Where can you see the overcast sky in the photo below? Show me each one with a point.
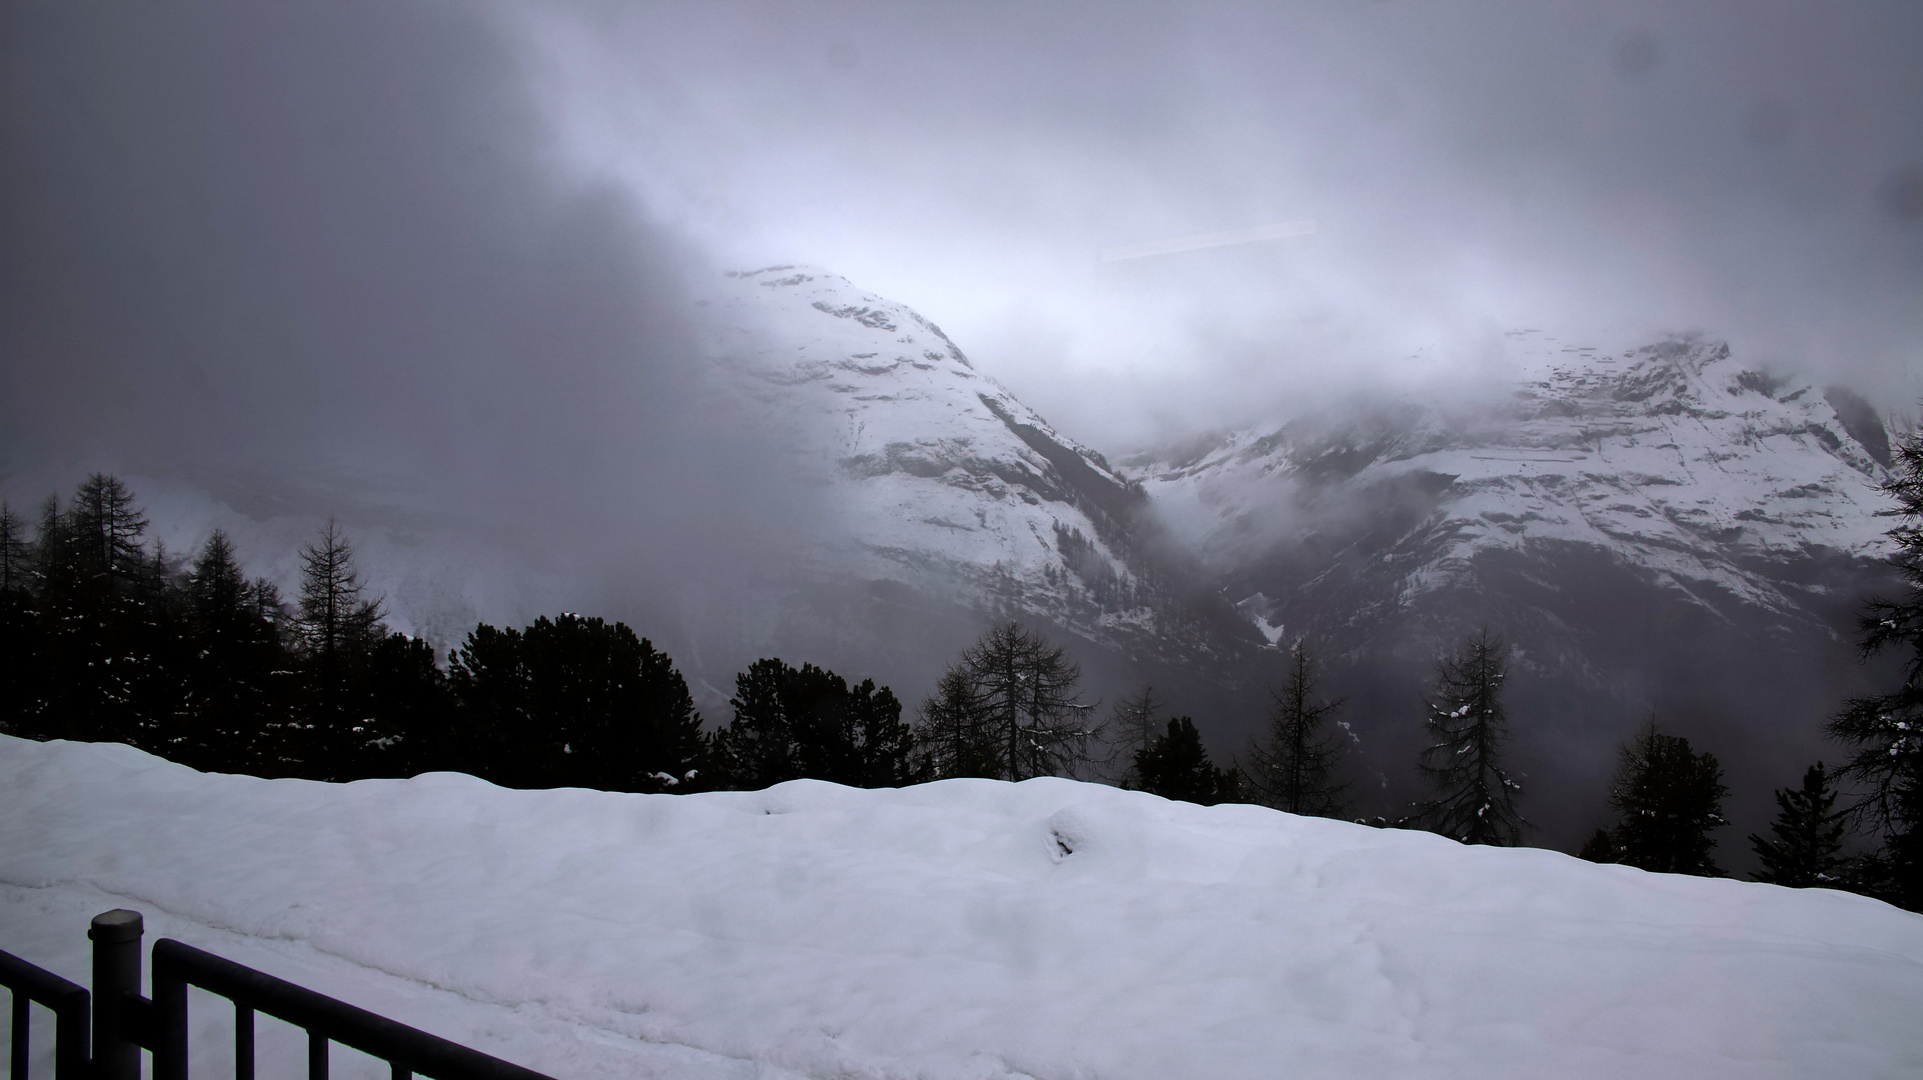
(1607, 172)
(392, 232)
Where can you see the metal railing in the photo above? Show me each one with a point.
(69, 1004)
(124, 1023)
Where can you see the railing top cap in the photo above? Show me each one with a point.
(116, 925)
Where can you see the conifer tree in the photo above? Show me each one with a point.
(97, 634)
(489, 677)
(1176, 766)
(1293, 767)
(791, 723)
(105, 529)
(1474, 798)
(1805, 846)
(50, 692)
(237, 649)
(13, 552)
(412, 708)
(1669, 799)
(1886, 730)
(885, 747)
(160, 657)
(570, 701)
(1600, 847)
(19, 628)
(338, 629)
(1136, 723)
(957, 733)
(1028, 686)
(335, 622)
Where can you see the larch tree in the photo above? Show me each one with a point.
(337, 627)
(1136, 722)
(956, 733)
(1029, 687)
(1474, 797)
(1293, 767)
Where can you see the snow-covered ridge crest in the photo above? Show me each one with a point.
(942, 475)
(1674, 457)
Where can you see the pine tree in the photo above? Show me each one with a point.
(791, 723)
(1669, 799)
(757, 748)
(54, 661)
(1886, 730)
(160, 656)
(1028, 686)
(19, 628)
(1600, 847)
(885, 747)
(13, 552)
(1474, 796)
(1176, 766)
(1293, 768)
(1805, 848)
(495, 734)
(412, 709)
(956, 735)
(570, 701)
(237, 649)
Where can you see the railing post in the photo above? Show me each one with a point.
(116, 980)
(168, 1035)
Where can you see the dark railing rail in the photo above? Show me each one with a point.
(124, 1022)
(407, 1050)
(70, 1012)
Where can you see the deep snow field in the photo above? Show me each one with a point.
(966, 929)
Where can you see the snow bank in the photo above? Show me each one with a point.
(967, 929)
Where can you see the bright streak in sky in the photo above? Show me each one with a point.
(1278, 231)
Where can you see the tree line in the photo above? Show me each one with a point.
(112, 639)
(109, 639)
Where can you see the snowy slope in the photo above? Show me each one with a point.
(968, 929)
(943, 480)
(1673, 458)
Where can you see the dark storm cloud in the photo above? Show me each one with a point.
(328, 248)
(438, 249)
(1631, 168)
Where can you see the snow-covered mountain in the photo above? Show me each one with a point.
(1659, 532)
(962, 930)
(1674, 459)
(941, 484)
(1663, 528)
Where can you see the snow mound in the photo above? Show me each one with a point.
(968, 929)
